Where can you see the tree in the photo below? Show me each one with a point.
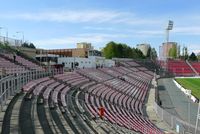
(134, 54)
(193, 57)
(178, 51)
(27, 45)
(109, 50)
(129, 52)
(120, 50)
(153, 53)
(149, 53)
(31, 45)
(186, 53)
(173, 52)
(139, 54)
(198, 56)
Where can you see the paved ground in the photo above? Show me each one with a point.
(151, 112)
(175, 101)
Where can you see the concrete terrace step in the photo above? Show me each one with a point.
(37, 125)
(102, 127)
(51, 122)
(2, 114)
(74, 115)
(113, 128)
(14, 121)
(65, 124)
(81, 111)
(73, 121)
(7, 111)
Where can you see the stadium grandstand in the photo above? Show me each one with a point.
(40, 99)
(178, 67)
(131, 97)
(99, 67)
(37, 98)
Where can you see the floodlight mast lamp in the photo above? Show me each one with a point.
(169, 27)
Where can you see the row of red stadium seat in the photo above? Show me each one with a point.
(121, 91)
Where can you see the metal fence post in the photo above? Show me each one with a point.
(9, 87)
(162, 114)
(30, 75)
(4, 93)
(1, 95)
(34, 74)
(15, 84)
(19, 81)
(28, 78)
(172, 122)
(39, 74)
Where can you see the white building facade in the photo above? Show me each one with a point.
(90, 62)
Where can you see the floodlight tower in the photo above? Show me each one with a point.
(169, 27)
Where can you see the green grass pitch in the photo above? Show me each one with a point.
(192, 84)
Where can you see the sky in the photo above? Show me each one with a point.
(55, 24)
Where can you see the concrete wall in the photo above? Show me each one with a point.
(109, 63)
(28, 51)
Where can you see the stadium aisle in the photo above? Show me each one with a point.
(151, 112)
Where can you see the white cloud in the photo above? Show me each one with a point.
(150, 32)
(68, 16)
(104, 35)
(70, 42)
(134, 20)
(99, 28)
(193, 48)
(77, 16)
(139, 27)
(67, 42)
(188, 30)
(196, 51)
